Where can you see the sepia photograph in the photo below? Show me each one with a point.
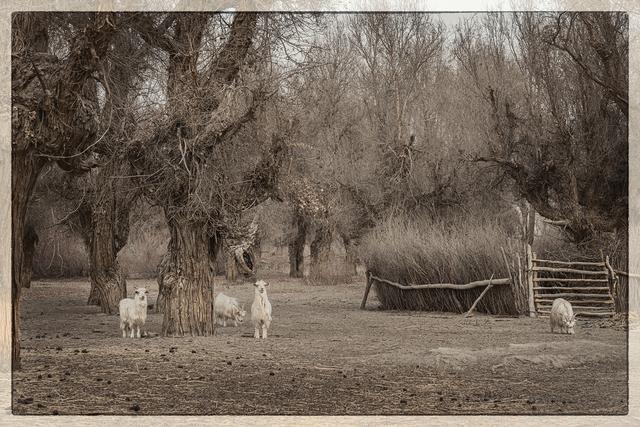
(320, 213)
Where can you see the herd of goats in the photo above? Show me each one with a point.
(133, 312)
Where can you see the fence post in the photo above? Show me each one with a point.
(612, 279)
(366, 291)
(530, 276)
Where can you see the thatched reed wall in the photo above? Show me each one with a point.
(498, 300)
(423, 252)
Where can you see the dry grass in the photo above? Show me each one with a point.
(425, 251)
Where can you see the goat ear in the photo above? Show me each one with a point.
(266, 283)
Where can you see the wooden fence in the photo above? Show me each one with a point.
(588, 286)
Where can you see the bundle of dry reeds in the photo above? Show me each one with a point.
(424, 251)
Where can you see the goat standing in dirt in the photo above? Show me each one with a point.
(261, 309)
(228, 308)
(133, 312)
(562, 316)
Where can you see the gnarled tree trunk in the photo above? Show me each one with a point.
(94, 298)
(230, 268)
(186, 279)
(296, 248)
(107, 281)
(104, 221)
(29, 248)
(350, 265)
(25, 171)
(320, 252)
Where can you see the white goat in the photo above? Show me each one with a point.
(228, 308)
(261, 309)
(562, 316)
(133, 312)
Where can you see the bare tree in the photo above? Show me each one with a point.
(105, 208)
(557, 132)
(53, 116)
(202, 159)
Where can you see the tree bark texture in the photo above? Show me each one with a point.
(296, 247)
(186, 280)
(94, 298)
(230, 268)
(320, 253)
(50, 118)
(29, 248)
(104, 221)
(25, 171)
(106, 277)
(350, 264)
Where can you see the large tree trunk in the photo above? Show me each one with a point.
(296, 248)
(29, 248)
(320, 252)
(94, 296)
(230, 267)
(25, 170)
(106, 277)
(350, 265)
(104, 221)
(186, 276)
(162, 267)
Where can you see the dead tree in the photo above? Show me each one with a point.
(560, 136)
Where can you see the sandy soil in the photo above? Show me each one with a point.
(324, 356)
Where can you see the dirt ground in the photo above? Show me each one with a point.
(323, 356)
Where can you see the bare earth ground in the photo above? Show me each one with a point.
(324, 356)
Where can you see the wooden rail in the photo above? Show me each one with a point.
(491, 282)
(592, 264)
(571, 288)
(571, 270)
(575, 302)
(574, 294)
(544, 313)
(471, 285)
(568, 280)
(626, 274)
